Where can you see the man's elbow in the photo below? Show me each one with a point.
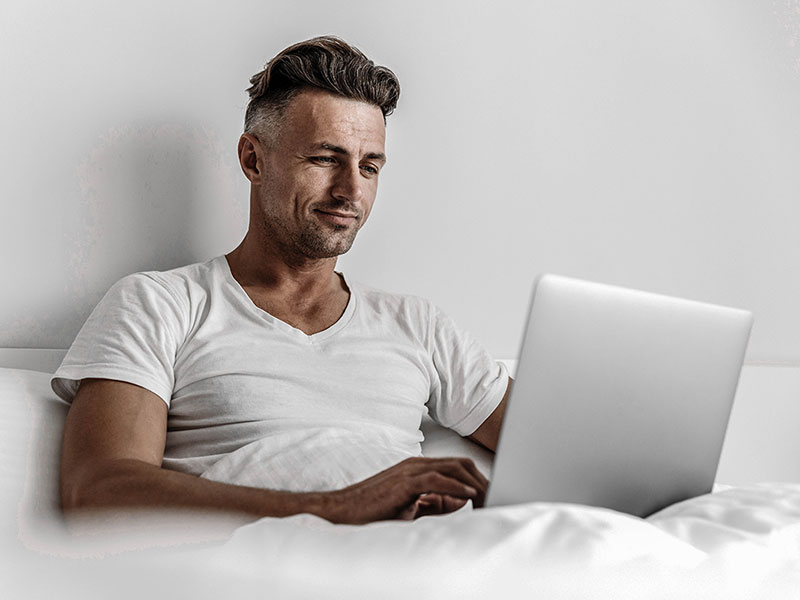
(96, 485)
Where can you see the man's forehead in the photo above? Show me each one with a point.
(315, 97)
(326, 113)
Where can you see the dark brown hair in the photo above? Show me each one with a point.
(327, 63)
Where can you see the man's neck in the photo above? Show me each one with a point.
(270, 273)
(309, 296)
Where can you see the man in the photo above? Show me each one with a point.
(270, 347)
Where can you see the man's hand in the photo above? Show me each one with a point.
(413, 488)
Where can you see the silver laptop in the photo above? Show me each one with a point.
(621, 399)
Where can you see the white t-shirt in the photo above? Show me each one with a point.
(318, 411)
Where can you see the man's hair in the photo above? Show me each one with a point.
(326, 63)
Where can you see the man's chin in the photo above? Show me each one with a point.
(316, 251)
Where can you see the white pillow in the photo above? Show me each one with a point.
(31, 427)
(441, 442)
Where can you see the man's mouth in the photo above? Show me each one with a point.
(337, 217)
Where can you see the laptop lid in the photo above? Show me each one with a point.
(621, 400)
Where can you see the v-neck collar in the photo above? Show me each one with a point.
(299, 334)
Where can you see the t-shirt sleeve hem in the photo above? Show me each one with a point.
(66, 379)
(483, 409)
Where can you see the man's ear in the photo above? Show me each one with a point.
(250, 157)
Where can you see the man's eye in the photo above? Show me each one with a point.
(324, 159)
(369, 169)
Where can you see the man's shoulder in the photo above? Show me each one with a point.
(197, 272)
(379, 297)
(401, 308)
(178, 281)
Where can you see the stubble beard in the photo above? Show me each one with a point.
(313, 241)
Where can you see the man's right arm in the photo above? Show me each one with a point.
(114, 443)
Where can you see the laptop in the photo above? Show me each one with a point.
(621, 399)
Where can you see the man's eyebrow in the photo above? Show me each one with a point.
(340, 150)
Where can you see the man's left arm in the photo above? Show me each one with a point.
(487, 434)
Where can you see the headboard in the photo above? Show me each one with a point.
(35, 359)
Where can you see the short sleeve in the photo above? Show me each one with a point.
(132, 335)
(469, 383)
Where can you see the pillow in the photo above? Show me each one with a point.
(442, 442)
(31, 427)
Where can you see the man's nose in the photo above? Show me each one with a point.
(348, 184)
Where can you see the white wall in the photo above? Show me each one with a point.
(648, 144)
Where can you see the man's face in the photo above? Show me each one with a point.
(320, 176)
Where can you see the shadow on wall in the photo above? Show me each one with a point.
(150, 197)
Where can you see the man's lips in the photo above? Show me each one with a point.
(337, 217)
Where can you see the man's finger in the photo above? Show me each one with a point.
(465, 471)
(435, 482)
(461, 468)
(438, 504)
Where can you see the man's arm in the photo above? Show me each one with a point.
(114, 443)
(489, 431)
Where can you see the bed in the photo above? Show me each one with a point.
(741, 541)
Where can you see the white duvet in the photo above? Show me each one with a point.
(739, 542)
(736, 543)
